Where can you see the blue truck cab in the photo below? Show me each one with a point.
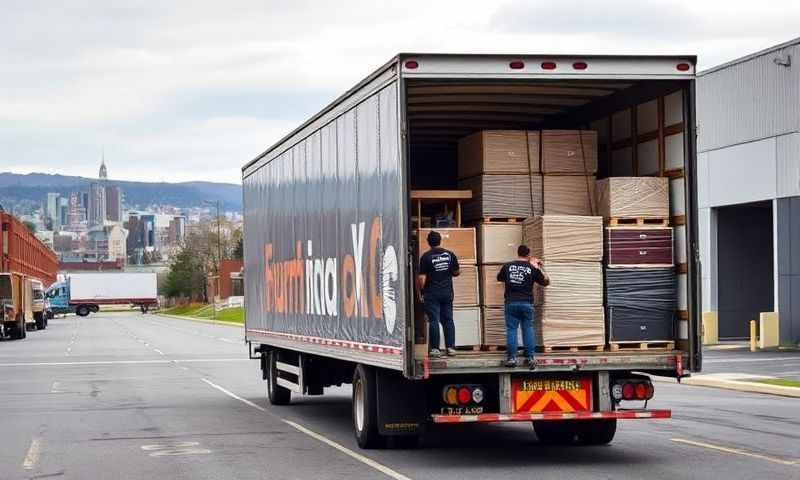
(58, 297)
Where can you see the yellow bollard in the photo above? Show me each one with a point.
(752, 335)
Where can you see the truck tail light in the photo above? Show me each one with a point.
(412, 64)
(548, 65)
(464, 395)
(641, 391)
(628, 391)
(580, 65)
(683, 67)
(632, 389)
(516, 65)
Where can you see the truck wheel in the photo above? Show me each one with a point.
(41, 321)
(555, 432)
(365, 408)
(597, 432)
(276, 394)
(82, 311)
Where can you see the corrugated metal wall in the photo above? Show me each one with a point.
(765, 102)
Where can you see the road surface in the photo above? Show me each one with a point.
(131, 396)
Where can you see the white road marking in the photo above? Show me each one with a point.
(33, 454)
(737, 451)
(361, 458)
(174, 448)
(227, 340)
(56, 387)
(122, 362)
(749, 360)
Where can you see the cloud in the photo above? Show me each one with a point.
(194, 89)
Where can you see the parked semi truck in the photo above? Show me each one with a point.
(330, 248)
(84, 293)
(26, 266)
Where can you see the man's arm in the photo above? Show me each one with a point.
(540, 276)
(455, 268)
(420, 285)
(501, 275)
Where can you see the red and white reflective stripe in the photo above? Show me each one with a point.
(329, 342)
(527, 417)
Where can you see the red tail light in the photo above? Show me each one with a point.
(641, 391)
(516, 65)
(464, 395)
(628, 391)
(580, 65)
(412, 64)
(683, 67)
(548, 65)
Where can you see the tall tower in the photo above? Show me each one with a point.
(103, 175)
(97, 197)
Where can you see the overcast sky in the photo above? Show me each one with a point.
(191, 90)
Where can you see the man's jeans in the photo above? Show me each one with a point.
(519, 314)
(439, 308)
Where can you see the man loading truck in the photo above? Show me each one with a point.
(437, 267)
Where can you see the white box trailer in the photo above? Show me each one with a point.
(88, 291)
(329, 246)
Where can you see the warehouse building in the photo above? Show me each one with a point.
(748, 140)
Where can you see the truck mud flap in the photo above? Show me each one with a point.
(401, 404)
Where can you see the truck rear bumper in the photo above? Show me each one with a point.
(528, 417)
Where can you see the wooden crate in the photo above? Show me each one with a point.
(494, 151)
(503, 196)
(562, 153)
(460, 241)
(465, 287)
(497, 243)
(633, 197)
(569, 326)
(571, 284)
(565, 237)
(468, 327)
(569, 195)
(492, 291)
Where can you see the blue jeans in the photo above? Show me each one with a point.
(439, 308)
(519, 314)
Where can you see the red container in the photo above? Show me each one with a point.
(638, 246)
(22, 252)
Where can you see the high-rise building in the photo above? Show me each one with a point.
(96, 208)
(52, 212)
(113, 203)
(63, 211)
(74, 216)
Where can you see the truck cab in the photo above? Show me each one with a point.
(58, 298)
(11, 303)
(38, 304)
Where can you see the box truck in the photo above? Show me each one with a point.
(84, 293)
(329, 245)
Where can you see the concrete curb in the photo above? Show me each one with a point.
(202, 320)
(738, 385)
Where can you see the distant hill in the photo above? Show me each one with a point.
(23, 191)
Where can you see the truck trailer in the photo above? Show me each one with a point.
(84, 293)
(330, 249)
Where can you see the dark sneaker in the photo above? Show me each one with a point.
(435, 353)
(531, 362)
(511, 363)
(451, 352)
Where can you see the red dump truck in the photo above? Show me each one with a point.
(330, 255)
(26, 265)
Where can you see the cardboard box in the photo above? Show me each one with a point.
(633, 197)
(492, 291)
(498, 242)
(564, 237)
(569, 195)
(494, 326)
(468, 327)
(562, 152)
(494, 151)
(465, 287)
(569, 326)
(503, 196)
(571, 284)
(460, 241)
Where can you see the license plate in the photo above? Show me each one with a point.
(543, 395)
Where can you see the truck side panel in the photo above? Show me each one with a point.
(325, 239)
(112, 288)
(21, 251)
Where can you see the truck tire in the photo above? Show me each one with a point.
(556, 432)
(365, 408)
(82, 311)
(597, 432)
(276, 394)
(41, 321)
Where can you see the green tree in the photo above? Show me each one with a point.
(238, 250)
(187, 274)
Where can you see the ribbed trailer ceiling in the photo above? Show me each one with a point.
(441, 112)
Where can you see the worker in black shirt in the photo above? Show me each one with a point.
(437, 267)
(519, 277)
